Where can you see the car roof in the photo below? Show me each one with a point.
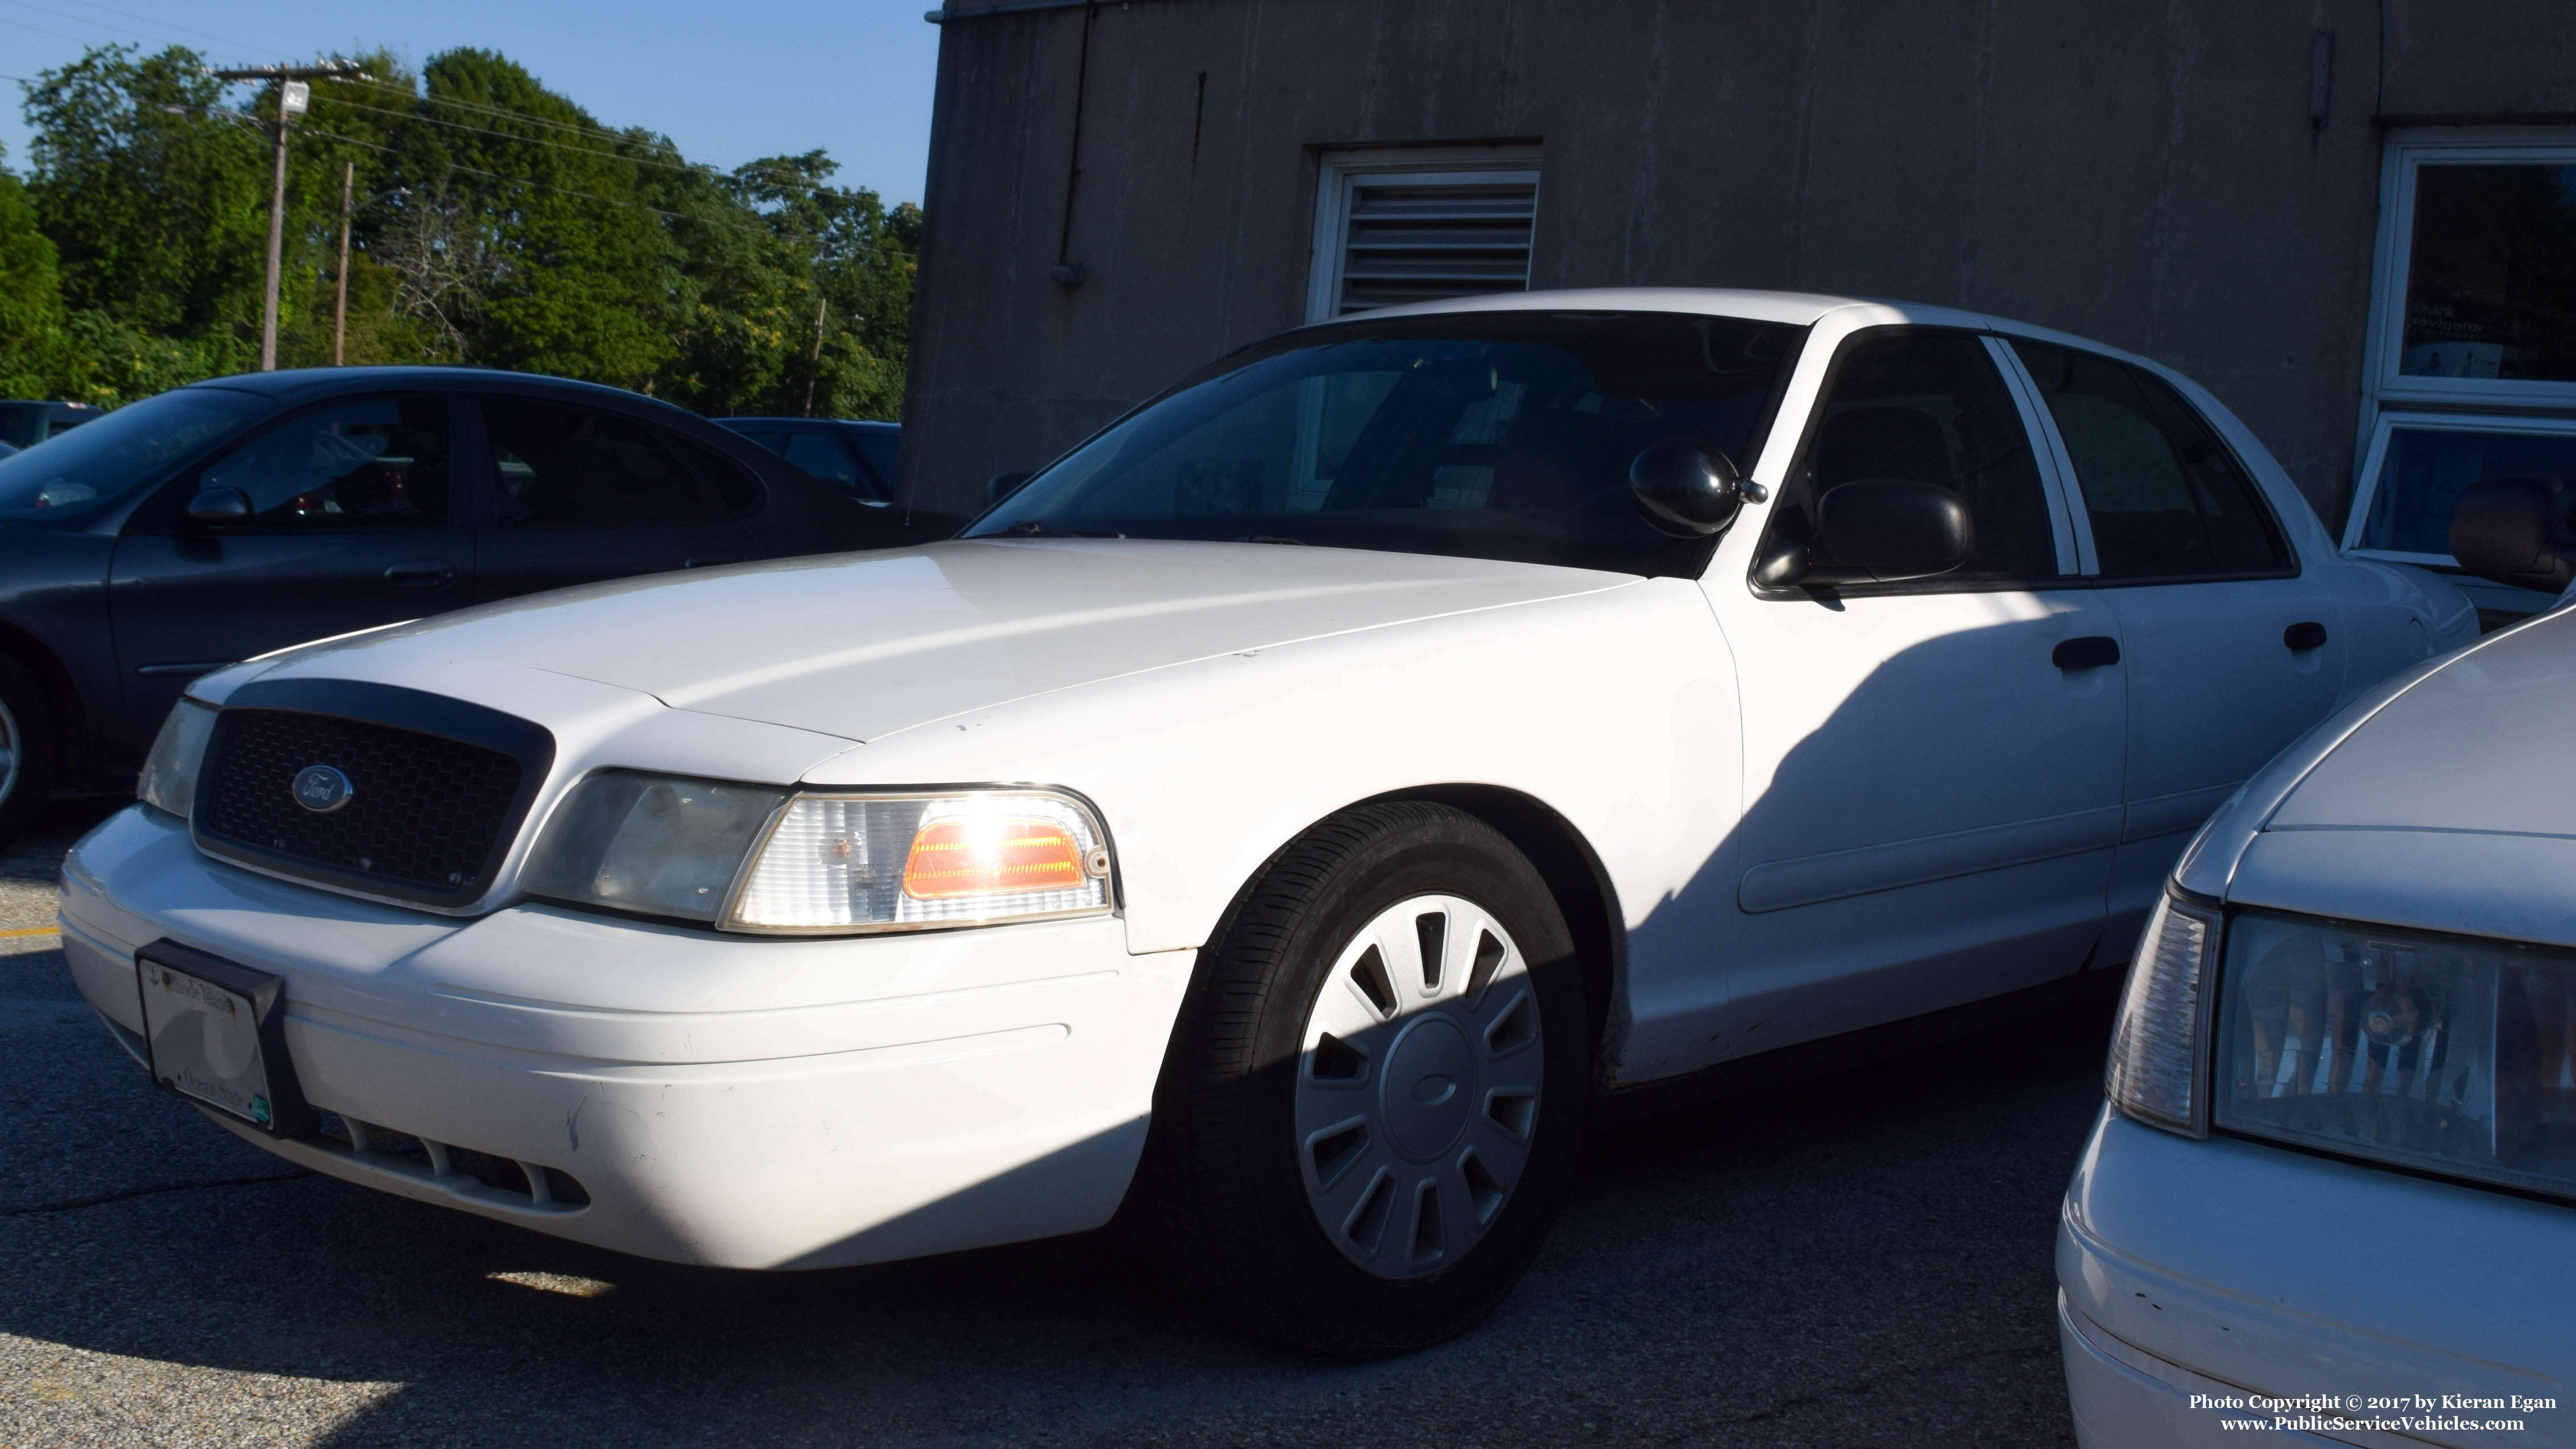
(297, 384)
(869, 424)
(1796, 309)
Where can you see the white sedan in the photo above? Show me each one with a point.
(1287, 815)
(2334, 1194)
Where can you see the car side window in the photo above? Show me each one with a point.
(2166, 497)
(364, 465)
(877, 450)
(822, 456)
(562, 466)
(735, 490)
(1927, 407)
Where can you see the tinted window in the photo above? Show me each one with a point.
(573, 467)
(878, 451)
(361, 466)
(819, 455)
(1493, 435)
(2166, 497)
(1928, 407)
(735, 490)
(74, 473)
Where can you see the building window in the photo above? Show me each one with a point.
(1416, 226)
(2472, 352)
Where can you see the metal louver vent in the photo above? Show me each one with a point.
(1416, 238)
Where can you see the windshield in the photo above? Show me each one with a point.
(1503, 435)
(105, 459)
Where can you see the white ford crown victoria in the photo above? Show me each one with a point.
(1286, 815)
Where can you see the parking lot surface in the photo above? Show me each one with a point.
(1863, 1260)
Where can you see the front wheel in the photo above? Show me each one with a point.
(1372, 1102)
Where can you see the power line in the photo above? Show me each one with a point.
(689, 167)
(506, 113)
(244, 45)
(566, 190)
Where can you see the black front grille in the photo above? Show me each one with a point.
(425, 815)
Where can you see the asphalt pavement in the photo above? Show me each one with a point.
(1863, 1260)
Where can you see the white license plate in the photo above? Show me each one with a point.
(205, 1041)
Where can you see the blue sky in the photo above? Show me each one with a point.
(727, 82)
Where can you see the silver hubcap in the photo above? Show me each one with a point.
(1417, 1086)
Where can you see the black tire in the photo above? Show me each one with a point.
(1223, 1197)
(36, 750)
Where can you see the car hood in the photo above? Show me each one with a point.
(2480, 744)
(2452, 807)
(863, 645)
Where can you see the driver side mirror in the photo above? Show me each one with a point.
(2516, 531)
(1687, 488)
(1875, 531)
(219, 505)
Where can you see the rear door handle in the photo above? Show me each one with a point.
(707, 560)
(420, 574)
(2303, 637)
(2093, 651)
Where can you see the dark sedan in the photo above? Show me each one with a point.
(234, 517)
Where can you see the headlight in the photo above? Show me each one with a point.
(883, 862)
(169, 778)
(2155, 1071)
(748, 858)
(2430, 1052)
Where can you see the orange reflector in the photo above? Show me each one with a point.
(991, 855)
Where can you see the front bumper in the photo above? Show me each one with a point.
(2227, 1269)
(751, 1103)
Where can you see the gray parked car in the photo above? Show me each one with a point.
(233, 517)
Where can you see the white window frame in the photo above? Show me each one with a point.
(2407, 153)
(1423, 166)
(2374, 457)
(2392, 400)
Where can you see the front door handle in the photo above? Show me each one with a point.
(2093, 651)
(427, 573)
(2300, 638)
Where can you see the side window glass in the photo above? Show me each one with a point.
(736, 491)
(2165, 496)
(559, 466)
(367, 465)
(877, 450)
(819, 455)
(1928, 407)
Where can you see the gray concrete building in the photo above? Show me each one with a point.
(2354, 220)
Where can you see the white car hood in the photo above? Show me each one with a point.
(2486, 743)
(863, 645)
(2451, 808)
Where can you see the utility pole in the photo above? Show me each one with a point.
(814, 364)
(340, 308)
(293, 96)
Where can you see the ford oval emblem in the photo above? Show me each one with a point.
(321, 789)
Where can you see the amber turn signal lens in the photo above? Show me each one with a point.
(991, 855)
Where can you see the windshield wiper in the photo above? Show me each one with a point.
(1270, 538)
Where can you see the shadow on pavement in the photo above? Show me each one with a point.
(1864, 1259)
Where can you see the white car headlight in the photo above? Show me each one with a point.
(892, 862)
(760, 859)
(169, 778)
